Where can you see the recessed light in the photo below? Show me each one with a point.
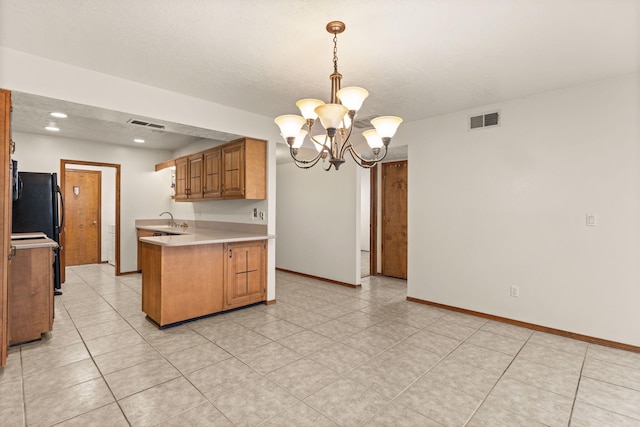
(139, 141)
(58, 115)
(52, 128)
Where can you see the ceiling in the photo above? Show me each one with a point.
(417, 58)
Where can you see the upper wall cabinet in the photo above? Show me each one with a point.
(236, 170)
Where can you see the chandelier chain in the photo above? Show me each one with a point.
(335, 53)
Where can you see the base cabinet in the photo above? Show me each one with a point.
(185, 282)
(30, 294)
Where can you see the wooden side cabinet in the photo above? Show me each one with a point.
(189, 177)
(182, 174)
(30, 294)
(212, 187)
(245, 273)
(142, 233)
(245, 169)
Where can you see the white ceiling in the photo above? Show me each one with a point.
(417, 58)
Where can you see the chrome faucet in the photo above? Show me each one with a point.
(171, 223)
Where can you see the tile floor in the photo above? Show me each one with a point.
(324, 355)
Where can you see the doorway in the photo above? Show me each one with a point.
(83, 194)
(110, 186)
(389, 221)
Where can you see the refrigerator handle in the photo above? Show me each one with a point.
(61, 226)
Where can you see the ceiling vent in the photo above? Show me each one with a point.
(363, 123)
(145, 124)
(484, 120)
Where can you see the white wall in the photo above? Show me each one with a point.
(141, 189)
(506, 206)
(40, 76)
(318, 221)
(107, 203)
(365, 209)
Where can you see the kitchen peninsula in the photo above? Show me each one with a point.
(202, 269)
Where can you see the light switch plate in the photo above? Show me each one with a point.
(592, 220)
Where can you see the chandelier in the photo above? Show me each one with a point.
(337, 118)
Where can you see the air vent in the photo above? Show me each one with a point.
(484, 120)
(363, 123)
(145, 124)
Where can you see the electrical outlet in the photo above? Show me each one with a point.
(514, 291)
(254, 214)
(261, 215)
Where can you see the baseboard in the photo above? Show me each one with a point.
(335, 282)
(587, 338)
(269, 302)
(124, 273)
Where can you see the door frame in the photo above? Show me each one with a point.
(99, 221)
(63, 166)
(373, 220)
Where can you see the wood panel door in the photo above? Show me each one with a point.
(195, 176)
(182, 170)
(245, 274)
(233, 164)
(212, 174)
(394, 219)
(82, 222)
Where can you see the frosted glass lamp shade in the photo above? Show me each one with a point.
(308, 106)
(386, 125)
(290, 125)
(320, 142)
(345, 123)
(352, 97)
(372, 138)
(299, 139)
(331, 115)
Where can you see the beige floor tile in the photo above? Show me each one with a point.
(369, 342)
(308, 319)
(160, 403)
(432, 342)
(347, 402)
(217, 327)
(306, 342)
(278, 329)
(540, 405)
(336, 330)
(610, 397)
(399, 416)
(360, 319)
(340, 357)
(50, 342)
(203, 415)
(134, 379)
(269, 357)
(198, 357)
(12, 403)
(494, 415)
(481, 357)
(468, 379)
(299, 415)
(242, 342)
(106, 328)
(495, 342)
(108, 415)
(176, 340)
(612, 373)
(559, 343)
(50, 381)
(550, 379)
(13, 369)
(113, 342)
(585, 415)
(439, 402)
(253, 402)
(95, 319)
(394, 330)
(44, 361)
(67, 403)
(552, 357)
(126, 357)
(303, 377)
(417, 319)
(612, 355)
(507, 330)
(217, 379)
(451, 330)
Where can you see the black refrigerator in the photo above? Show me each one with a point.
(39, 207)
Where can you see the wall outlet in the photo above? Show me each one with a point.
(254, 214)
(261, 213)
(514, 291)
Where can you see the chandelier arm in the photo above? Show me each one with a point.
(362, 161)
(306, 164)
(302, 161)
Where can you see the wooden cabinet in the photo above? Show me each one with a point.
(189, 176)
(236, 170)
(180, 283)
(245, 274)
(30, 294)
(142, 233)
(212, 187)
(5, 218)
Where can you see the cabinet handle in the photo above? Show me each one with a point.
(12, 252)
(230, 253)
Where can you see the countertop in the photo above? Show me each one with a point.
(40, 242)
(199, 236)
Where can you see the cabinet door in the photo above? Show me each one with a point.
(233, 164)
(245, 281)
(142, 233)
(195, 177)
(182, 172)
(212, 174)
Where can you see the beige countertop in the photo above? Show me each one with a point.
(193, 235)
(40, 242)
